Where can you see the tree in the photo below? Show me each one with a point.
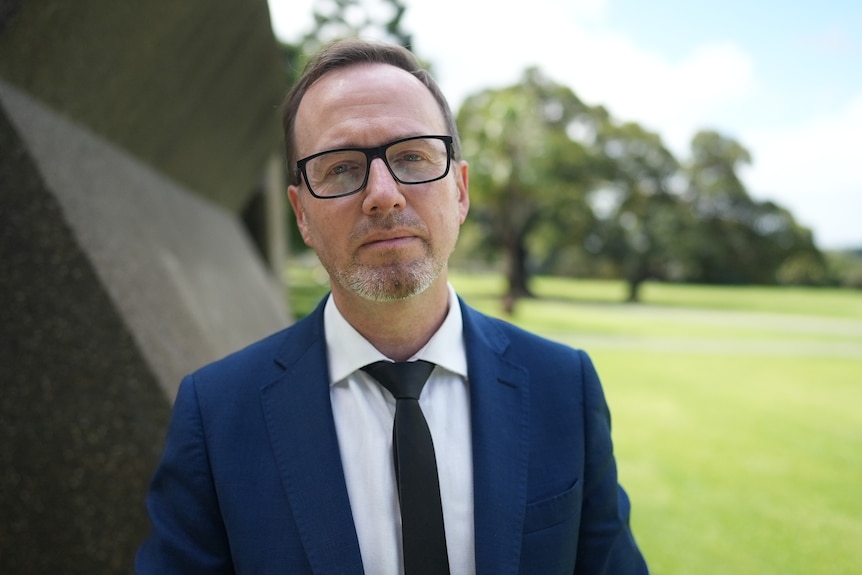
(333, 19)
(644, 217)
(529, 169)
(845, 268)
(741, 240)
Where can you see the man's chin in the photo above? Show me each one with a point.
(390, 285)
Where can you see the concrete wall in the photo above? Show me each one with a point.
(191, 87)
(132, 137)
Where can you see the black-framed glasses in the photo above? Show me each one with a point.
(341, 172)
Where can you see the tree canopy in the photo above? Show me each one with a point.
(529, 175)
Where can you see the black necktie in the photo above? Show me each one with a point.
(422, 535)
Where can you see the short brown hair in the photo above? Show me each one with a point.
(349, 52)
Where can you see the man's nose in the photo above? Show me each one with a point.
(382, 192)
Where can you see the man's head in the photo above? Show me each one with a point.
(382, 193)
(349, 52)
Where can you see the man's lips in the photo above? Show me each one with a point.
(391, 239)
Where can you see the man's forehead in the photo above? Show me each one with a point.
(357, 100)
(364, 79)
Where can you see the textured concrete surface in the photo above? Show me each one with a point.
(132, 137)
(81, 412)
(181, 271)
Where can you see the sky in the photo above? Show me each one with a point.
(783, 78)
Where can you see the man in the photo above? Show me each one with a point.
(279, 458)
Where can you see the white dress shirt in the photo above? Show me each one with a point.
(364, 414)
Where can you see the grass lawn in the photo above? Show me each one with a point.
(737, 414)
(740, 463)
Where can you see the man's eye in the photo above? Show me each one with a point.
(410, 158)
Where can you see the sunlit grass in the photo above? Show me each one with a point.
(824, 302)
(830, 302)
(737, 414)
(749, 463)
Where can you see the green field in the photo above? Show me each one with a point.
(737, 415)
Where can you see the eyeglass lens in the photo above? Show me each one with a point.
(412, 161)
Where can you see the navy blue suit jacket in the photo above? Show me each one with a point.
(251, 478)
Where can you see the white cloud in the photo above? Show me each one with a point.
(674, 98)
(484, 44)
(291, 18)
(803, 156)
(813, 167)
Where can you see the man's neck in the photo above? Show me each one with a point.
(397, 329)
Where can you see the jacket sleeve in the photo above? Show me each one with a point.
(606, 544)
(188, 534)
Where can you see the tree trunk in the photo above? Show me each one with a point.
(517, 274)
(634, 289)
(637, 272)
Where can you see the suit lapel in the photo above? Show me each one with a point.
(499, 396)
(299, 418)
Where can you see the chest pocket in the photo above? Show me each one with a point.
(555, 510)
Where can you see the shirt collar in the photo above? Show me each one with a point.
(348, 351)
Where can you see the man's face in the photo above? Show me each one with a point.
(390, 241)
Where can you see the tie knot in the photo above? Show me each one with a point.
(404, 380)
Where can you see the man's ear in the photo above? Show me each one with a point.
(299, 211)
(462, 181)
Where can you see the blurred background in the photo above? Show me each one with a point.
(670, 187)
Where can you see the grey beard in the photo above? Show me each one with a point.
(389, 284)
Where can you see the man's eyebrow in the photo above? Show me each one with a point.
(350, 144)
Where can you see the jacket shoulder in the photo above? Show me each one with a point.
(263, 360)
(504, 336)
